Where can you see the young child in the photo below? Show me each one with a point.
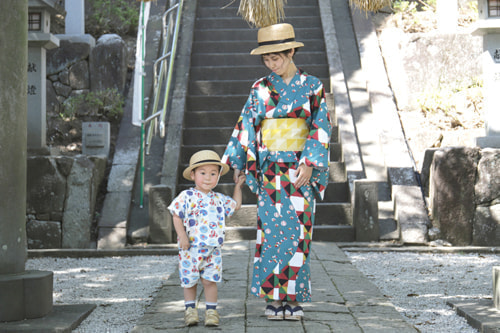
(199, 219)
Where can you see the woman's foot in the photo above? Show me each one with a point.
(274, 310)
(293, 311)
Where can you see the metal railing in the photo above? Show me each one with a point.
(162, 83)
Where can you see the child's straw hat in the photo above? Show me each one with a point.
(276, 38)
(204, 157)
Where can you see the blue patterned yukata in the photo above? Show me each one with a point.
(285, 213)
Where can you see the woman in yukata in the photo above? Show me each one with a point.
(281, 141)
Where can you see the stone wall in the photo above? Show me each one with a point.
(61, 197)
(464, 195)
(81, 65)
(62, 190)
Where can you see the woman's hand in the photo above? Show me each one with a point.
(236, 175)
(303, 174)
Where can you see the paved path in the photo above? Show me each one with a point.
(344, 300)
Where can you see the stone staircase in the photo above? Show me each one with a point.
(372, 193)
(221, 74)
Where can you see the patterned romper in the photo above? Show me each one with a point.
(204, 218)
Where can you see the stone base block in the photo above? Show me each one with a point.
(62, 318)
(161, 227)
(365, 211)
(488, 142)
(25, 296)
(411, 214)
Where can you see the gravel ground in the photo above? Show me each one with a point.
(121, 287)
(418, 284)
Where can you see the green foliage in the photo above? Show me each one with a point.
(105, 104)
(112, 16)
(404, 6)
(460, 103)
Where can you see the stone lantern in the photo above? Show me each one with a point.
(39, 41)
(488, 26)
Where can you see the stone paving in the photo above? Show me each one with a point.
(344, 300)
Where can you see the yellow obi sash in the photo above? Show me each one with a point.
(284, 134)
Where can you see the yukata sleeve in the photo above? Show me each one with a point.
(229, 205)
(316, 151)
(241, 151)
(178, 206)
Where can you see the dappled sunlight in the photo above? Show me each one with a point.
(118, 286)
(420, 284)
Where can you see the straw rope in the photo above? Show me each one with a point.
(262, 13)
(370, 5)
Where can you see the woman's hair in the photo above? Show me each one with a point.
(281, 53)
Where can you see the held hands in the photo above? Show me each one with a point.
(240, 180)
(303, 174)
(236, 175)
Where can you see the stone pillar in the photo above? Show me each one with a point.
(22, 294)
(496, 287)
(365, 211)
(37, 98)
(491, 72)
(75, 17)
(39, 40)
(488, 26)
(13, 106)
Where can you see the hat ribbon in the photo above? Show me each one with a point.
(272, 42)
(205, 161)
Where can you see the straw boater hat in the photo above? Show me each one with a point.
(276, 38)
(204, 157)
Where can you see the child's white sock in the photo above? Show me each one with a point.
(190, 304)
(212, 306)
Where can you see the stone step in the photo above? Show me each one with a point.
(194, 136)
(218, 103)
(229, 87)
(326, 214)
(326, 233)
(337, 167)
(244, 47)
(218, 12)
(337, 192)
(243, 59)
(252, 73)
(217, 119)
(217, 35)
(200, 136)
(237, 23)
(235, 4)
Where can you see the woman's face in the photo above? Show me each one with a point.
(278, 62)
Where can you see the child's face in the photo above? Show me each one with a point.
(205, 177)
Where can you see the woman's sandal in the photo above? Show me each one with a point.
(295, 313)
(274, 313)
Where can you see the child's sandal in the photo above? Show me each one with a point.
(295, 313)
(274, 313)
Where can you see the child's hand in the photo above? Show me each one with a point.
(184, 242)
